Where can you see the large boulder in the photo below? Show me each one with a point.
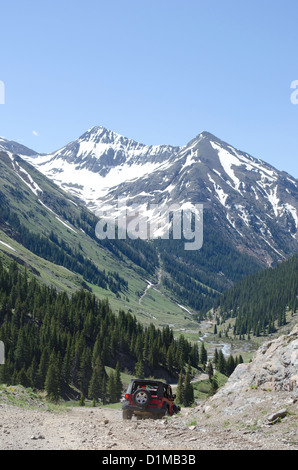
(274, 368)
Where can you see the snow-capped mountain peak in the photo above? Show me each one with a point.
(254, 204)
(99, 160)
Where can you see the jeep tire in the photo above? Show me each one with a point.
(142, 397)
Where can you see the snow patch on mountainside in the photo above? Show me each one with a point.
(56, 216)
(294, 213)
(88, 185)
(7, 246)
(227, 161)
(221, 195)
(24, 175)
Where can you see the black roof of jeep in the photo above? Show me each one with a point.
(149, 381)
(158, 383)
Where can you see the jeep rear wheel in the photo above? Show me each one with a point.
(142, 397)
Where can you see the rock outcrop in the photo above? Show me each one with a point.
(274, 368)
(257, 392)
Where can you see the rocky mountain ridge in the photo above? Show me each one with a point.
(252, 203)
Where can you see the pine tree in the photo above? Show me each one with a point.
(21, 350)
(52, 384)
(170, 357)
(214, 385)
(118, 383)
(230, 365)
(188, 395)
(139, 369)
(95, 386)
(180, 389)
(67, 365)
(209, 370)
(32, 373)
(112, 388)
(203, 355)
(194, 355)
(221, 363)
(85, 371)
(22, 377)
(215, 359)
(104, 390)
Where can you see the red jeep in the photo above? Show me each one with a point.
(148, 398)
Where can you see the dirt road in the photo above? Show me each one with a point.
(83, 428)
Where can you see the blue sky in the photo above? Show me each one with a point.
(155, 71)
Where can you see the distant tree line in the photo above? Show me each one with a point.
(260, 302)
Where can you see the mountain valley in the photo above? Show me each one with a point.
(50, 206)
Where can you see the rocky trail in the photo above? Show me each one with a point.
(82, 428)
(104, 429)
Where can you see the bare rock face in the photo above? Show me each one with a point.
(274, 368)
(267, 384)
(276, 364)
(260, 394)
